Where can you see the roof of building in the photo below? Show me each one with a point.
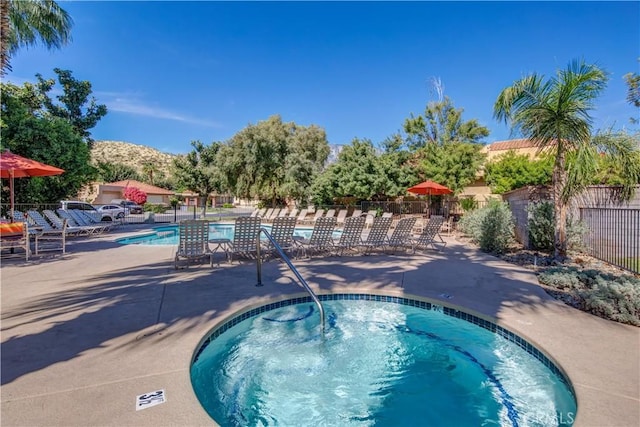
(511, 144)
(147, 188)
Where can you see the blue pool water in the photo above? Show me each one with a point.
(380, 363)
(168, 235)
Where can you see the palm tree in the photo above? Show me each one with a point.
(555, 114)
(24, 23)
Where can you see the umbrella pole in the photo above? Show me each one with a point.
(11, 198)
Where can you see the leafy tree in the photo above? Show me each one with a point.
(453, 164)
(74, 105)
(511, 170)
(135, 194)
(273, 160)
(198, 171)
(357, 172)
(446, 146)
(633, 91)
(149, 169)
(442, 123)
(113, 172)
(555, 113)
(397, 164)
(618, 161)
(25, 23)
(50, 140)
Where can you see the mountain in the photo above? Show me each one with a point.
(133, 155)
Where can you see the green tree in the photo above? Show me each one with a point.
(50, 140)
(357, 173)
(24, 23)
(453, 164)
(76, 105)
(447, 147)
(511, 170)
(442, 123)
(273, 160)
(555, 113)
(113, 172)
(149, 170)
(198, 171)
(618, 161)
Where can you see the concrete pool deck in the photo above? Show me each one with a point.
(85, 333)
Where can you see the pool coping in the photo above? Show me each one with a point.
(122, 304)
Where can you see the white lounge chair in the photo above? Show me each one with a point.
(351, 236)
(321, 236)
(377, 236)
(244, 237)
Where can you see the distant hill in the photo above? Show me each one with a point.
(133, 155)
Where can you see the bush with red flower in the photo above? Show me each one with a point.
(135, 195)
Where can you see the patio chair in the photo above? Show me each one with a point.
(401, 236)
(321, 236)
(330, 213)
(267, 214)
(351, 236)
(293, 213)
(244, 237)
(284, 212)
(16, 235)
(46, 233)
(342, 216)
(448, 226)
(193, 241)
(274, 214)
(58, 223)
(377, 236)
(356, 212)
(255, 212)
(86, 220)
(318, 214)
(282, 232)
(369, 218)
(301, 216)
(387, 215)
(429, 233)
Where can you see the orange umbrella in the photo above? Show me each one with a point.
(429, 188)
(15, 166)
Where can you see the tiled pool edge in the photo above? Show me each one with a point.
(467, 315)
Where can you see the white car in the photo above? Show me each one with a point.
(112, 211)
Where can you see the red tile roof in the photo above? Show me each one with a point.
(512, 144)
(149, 189)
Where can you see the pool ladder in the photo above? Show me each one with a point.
(293, 269)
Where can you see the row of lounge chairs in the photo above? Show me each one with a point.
(304, 217)
(194, 237)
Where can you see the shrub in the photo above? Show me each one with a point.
(148, 207)
(136, 195)
(490, 227)
(468, 204)
(605, 295)
(227, 205)
(497, 228)
(541, 225)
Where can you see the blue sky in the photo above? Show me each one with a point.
(173, 72)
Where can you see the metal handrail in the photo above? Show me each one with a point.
(295, 271)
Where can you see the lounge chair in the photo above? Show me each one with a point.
(284, 212)
(318, 214)
(293, 213)
(330, 213)
(244, 237)
(429, 233)
(387, 215)
(193, 241)
(356, 212)
(401, 236)
(274, 214)
(267, 214)
(16, 235)
(255, 212)
(342, 216)
(282, 232)
(377, 236)
(302, 216)
(351, 236)
(58, 223)
(321, 236)
(46, 233)
(369, 218)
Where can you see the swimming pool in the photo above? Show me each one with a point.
(383, 361)
(168, 235)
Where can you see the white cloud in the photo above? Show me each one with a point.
(124, 103)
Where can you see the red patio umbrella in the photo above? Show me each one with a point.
(15, 166)
(429, 188)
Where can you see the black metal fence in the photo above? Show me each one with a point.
(613, 236)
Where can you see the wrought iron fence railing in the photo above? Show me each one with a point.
(613, 236)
